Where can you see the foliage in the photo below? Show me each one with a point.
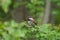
(14, 31)
(5, 5)
(35, 6)
(11, 30)
(56, 11)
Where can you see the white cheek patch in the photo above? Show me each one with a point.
(31, 18)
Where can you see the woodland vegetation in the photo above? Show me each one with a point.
(13, 23)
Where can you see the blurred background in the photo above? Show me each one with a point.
(14, 14)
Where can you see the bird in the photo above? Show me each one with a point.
(31, 21)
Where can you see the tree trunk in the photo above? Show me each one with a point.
(47, 12)
(19, 13)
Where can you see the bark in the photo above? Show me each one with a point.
(51, 18)
(47, 12)
(19, 13)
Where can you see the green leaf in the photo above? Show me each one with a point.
(5, 5)
(16, 4)
(58, 3)
(6, 36)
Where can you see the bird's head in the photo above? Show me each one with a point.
(30, 19)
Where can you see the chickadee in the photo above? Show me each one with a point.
(31, 21)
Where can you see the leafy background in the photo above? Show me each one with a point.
(10, 30)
